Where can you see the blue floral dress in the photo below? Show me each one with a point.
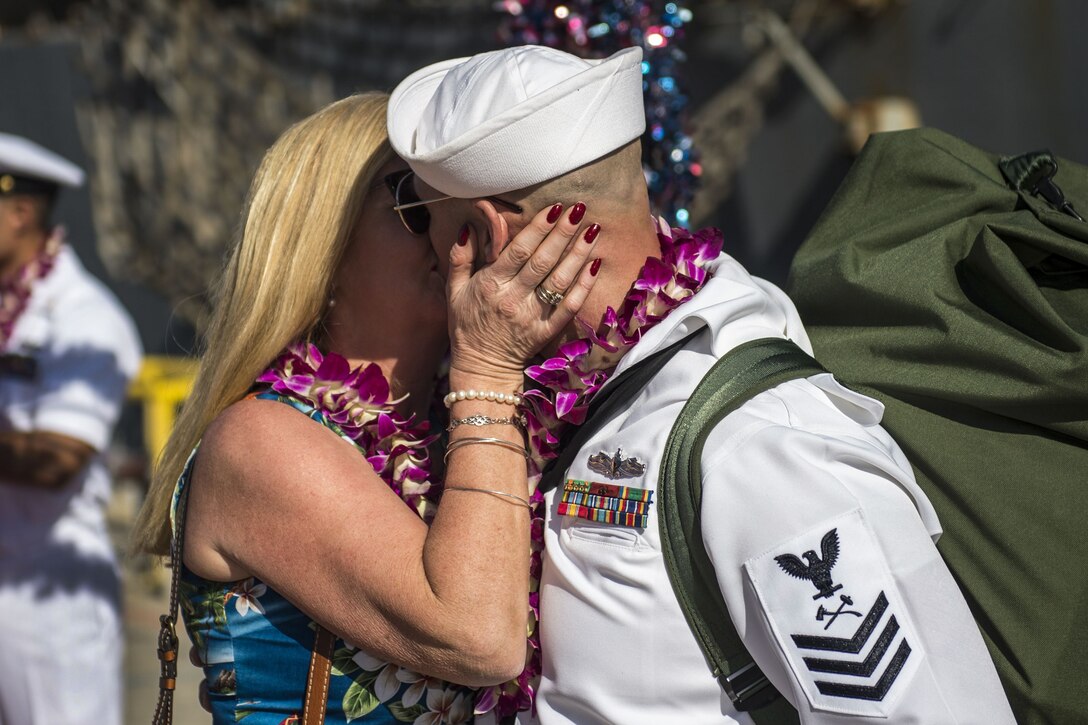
(256, 646)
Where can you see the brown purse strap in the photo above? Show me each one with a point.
(317, 680)
(168, 637)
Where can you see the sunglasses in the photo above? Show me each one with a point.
(413, 211)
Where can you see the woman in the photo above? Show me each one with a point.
(285, 525)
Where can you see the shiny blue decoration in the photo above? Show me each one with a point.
(599, 28)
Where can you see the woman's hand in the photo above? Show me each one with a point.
(498, 319)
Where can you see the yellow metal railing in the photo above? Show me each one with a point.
(161, 386)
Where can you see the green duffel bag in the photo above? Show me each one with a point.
(952, 285)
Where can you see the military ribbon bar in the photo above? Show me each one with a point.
(609, 490)
(606, 503)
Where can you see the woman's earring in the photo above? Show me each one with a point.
(332, 302)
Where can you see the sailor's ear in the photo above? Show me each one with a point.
(498, 231)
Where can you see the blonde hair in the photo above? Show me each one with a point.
(300, 213)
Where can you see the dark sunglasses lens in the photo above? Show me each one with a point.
(416, 218)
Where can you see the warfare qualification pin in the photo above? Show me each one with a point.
(616, 466)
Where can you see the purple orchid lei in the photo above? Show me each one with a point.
(15, 292)
(567, 384)
(569, 380)
(358, 402)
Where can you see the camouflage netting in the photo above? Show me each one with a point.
(184, 97)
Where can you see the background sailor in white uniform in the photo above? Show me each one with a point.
(68, 352)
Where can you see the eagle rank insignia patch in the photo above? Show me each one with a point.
(835, 612)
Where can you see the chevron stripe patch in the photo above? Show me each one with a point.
(838, 618)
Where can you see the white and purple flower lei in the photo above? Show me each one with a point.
(358, 401)
(569, 380)
(15, 292)
(567, 384)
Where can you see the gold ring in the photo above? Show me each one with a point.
(548, 297)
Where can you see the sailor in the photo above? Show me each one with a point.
(820, 541)
(67, 353)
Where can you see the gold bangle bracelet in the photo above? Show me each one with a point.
(461, 442)
(519, 499)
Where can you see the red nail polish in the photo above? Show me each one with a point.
(595, 267)
(554, 213)
(462, 237)
(592, 233)
(577, 212)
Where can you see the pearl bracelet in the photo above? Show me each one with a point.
(489, 395)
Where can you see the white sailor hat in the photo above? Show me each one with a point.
(27, 168)
(512, 118)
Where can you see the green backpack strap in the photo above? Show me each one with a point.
(735, 379)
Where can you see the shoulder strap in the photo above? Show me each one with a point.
(735, 379)
(168, 638)
(317, 679)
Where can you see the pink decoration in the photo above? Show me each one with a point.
(15, 291)
(358, 402)
(568, 383)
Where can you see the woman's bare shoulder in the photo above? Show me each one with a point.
(255, 439)
(264, 469)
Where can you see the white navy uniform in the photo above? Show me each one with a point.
(60, 629)
(803, 468)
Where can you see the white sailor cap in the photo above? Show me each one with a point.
(513, 118)
(28, 168)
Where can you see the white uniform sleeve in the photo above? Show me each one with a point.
(85, 371)
(835, 585)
